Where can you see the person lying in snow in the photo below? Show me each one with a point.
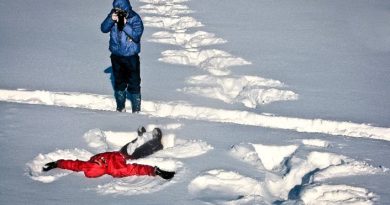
(114, 163)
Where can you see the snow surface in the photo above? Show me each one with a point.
(260, 102)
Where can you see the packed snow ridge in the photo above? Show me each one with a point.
(316, 143)
(103, 141)
(186, 111)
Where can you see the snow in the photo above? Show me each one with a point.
(274, 158)
(316, 143)
(251, 91)
(260, 102)
(217, 185)
(191, 40)
(212, 60)
(326, 194)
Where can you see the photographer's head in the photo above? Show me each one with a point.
(123, 5)
(120, 13)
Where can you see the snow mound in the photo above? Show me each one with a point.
(316, 143)
(275, 158)
(219, 186)
(349, 167)
(185, 149)
(212, 60)
(34, 167)
(171, 23)
(96, 139)
(302, 173)
(337, 194)
(248, 90)
(246, 152)
(102, 141)
(193, 40)
(166, 10)
(299, 174)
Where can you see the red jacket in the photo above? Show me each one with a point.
(111, 163)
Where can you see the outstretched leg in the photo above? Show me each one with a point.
(150, 146)
(124, 150)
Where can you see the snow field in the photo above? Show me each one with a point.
(288, 177)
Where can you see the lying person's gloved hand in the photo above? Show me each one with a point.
(49, 166)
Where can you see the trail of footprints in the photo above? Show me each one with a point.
(172, 16)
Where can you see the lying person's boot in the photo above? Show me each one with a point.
(157, 134)
(49, 166)
(163, 174)
(141, 130)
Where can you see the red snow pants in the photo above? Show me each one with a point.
(111, 163)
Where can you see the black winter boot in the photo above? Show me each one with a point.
(157, 134)
(141, 130)
(163, 174)
(135, 99)
(120, 98)
(49, 166)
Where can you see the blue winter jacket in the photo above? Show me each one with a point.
(128, 41)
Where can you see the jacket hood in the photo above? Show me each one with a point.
(122, 4)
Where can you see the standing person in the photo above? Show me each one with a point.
(126, 28)
(114, 163)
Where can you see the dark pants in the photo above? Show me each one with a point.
(126, 71)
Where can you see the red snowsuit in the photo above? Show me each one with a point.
(111, 163)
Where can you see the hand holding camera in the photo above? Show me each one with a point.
(119, 16)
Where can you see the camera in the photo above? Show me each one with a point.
(122, 14)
